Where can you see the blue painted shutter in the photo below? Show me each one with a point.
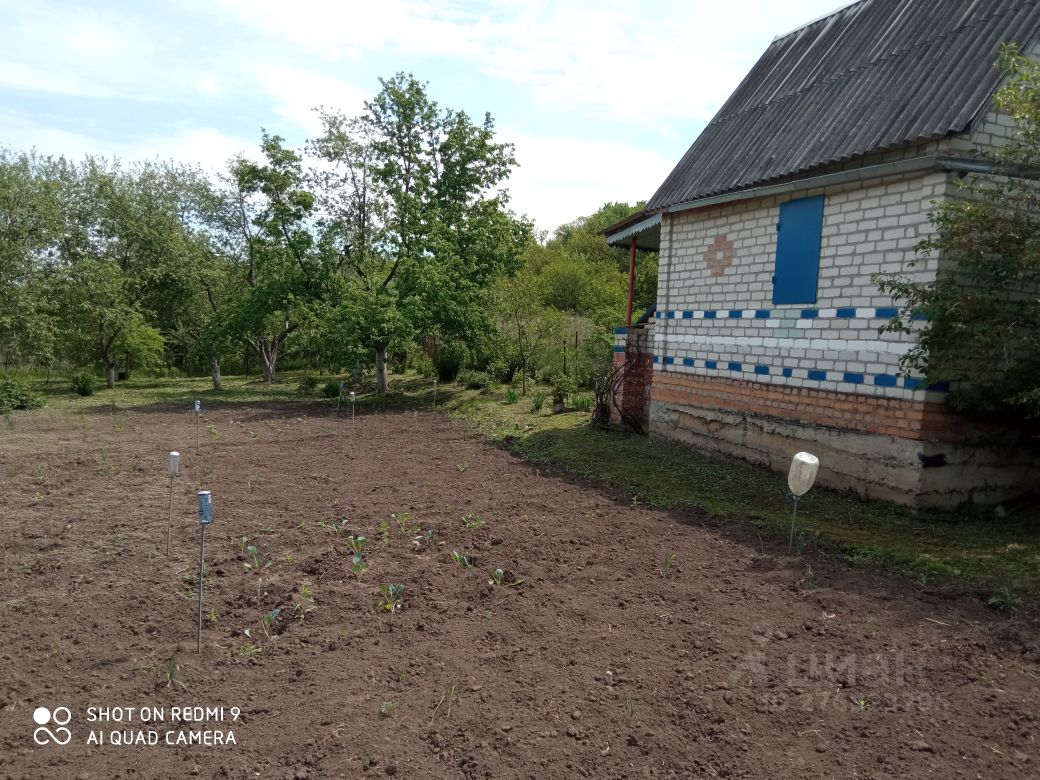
(798, 250)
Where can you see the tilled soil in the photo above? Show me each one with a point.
(742, 662)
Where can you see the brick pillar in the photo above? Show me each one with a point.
(632, 394)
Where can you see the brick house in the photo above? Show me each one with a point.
(819, 171)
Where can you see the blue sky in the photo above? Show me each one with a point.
(601, 98)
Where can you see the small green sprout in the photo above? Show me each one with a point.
(462, 466)
(358, 565)
(356, 543)
(387, 710)
(251, 549)
(391, 598)
(450, 697)
(666, 562)
(424, 539)
(504, 578)
(462, 561)
(404, 523)
(472, 521)
(305, 602)
(211, 616)
(268, 620)
(242, 543)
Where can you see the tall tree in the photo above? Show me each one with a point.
(414, 198)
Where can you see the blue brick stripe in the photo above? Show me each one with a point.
(843, 313)
(814, 375)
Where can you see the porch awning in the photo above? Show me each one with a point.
(646, 231)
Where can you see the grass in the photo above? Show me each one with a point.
(972, 549)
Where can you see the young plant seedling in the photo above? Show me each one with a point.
(387, 710)
(304, 603)
(356, 543)
(212, 616)
(666, 563)
(462, 561)
(450, 697)
(404, 523)
(338, 526)
(358, 565)
(251, 549)
(171, 674)
(391, 598)
(424, 539)
(472, 521)
(267, 621)
(384, 532)
(504, 578)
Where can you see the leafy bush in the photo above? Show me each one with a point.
(421, 363)
(538, 401)
(563, 387)
(83, 383)
(512, 396)
(331, 389)
(476, 380)
(449, 361)
(15, 394)
(309, 384)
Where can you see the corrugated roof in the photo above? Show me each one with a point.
(872, 76)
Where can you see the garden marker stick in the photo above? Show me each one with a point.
(198, 414)
(175, 465)
(800, 478)
(435, 392)
(205, 518)
(340, 396)
(353, 398)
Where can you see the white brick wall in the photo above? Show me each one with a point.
(867, 228)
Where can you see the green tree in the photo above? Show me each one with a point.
(981, 312)
(527, 324)
(416, 209)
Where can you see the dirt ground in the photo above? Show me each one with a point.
(742, 662)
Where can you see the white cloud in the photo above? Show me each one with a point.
(561, 179)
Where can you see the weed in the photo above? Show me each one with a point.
(450, 697)
(538, 401)
(582, 403)
(462, 561)
(424, 539)
(1005, 599)
(211, 616)
(630, 705)
(403, 677)
(809, 580)
(384, 532)
(666, 562)
(304, 602)
(512, 396)
(213, 432)
(249, 650)
(504, 578)
(472, 521)
(358, 565)
(862, 702)
(404, 523)
(387, 710)
(391, 598)
(171, 674)
(461, 467)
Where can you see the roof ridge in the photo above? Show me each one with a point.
(851, 71)
(844, 6)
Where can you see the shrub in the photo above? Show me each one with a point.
(83, 383)
(512, 396)
(421, 363)
(15, 394)
(331, 389)
(448, 361)
(476, 380)
(563, 387)
(537, 402)
(309, 384)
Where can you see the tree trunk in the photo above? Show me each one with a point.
(380, 369)
(214, 368)
(268, 351)
(110, 374)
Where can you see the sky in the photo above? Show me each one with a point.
(600, 98)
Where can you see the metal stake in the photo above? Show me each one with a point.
(435, 393)
(169, 524)
(205, 518)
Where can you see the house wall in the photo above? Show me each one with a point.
(736, 374)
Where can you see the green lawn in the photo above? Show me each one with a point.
(973, 550)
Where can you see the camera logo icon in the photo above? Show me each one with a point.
(43, 717)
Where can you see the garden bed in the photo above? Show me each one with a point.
(741, 661)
